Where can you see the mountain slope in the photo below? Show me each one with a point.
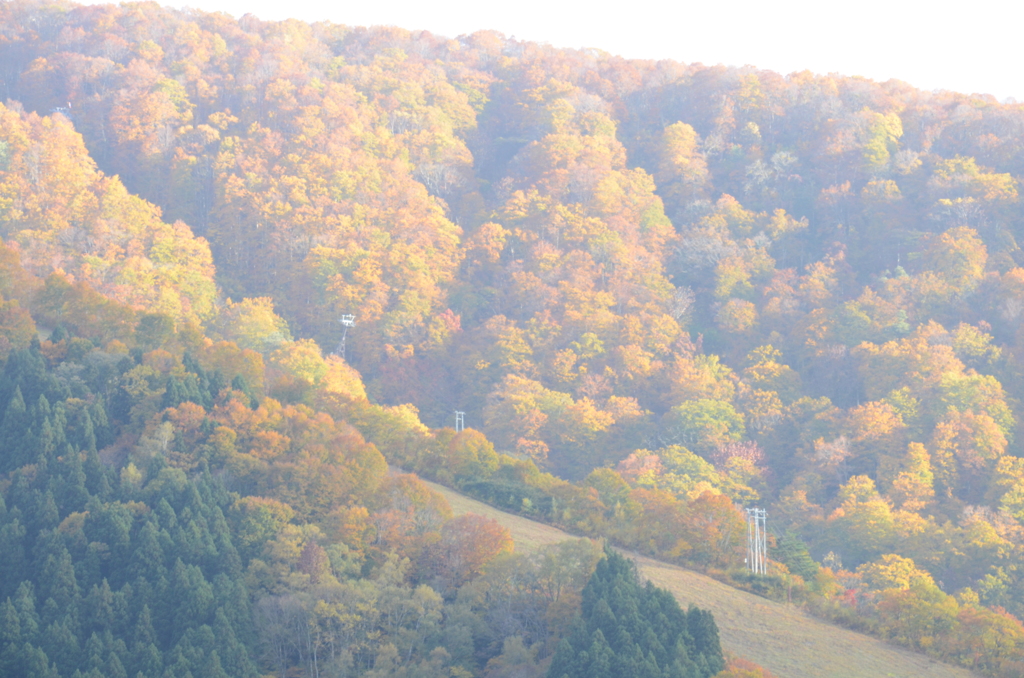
(783, 639)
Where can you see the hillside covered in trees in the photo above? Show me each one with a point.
(660, 293)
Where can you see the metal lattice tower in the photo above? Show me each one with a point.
(757, 541)
(460, 421)
(348, 320)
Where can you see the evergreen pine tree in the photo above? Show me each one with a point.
(60, 585)
(87, 438)
(99, 608)
(69, 486)
(626, 629)
(12, 554)
(114, 667)
(59, 421)
(100, 425)
(792, 552)
(145, 657)
(35, 663)
(25, 602)
(600, 658)
(93, 653)
(61, 645)
(45, 514)
(147, 556)
(46, 441)
(10, 638)
(236, 660)
(15, 432)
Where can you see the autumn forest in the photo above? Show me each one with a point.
(658, 293)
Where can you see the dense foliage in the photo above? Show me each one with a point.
(631, 630)
(660, 292)
(230, 535)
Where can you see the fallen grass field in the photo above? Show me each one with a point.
(781, 638)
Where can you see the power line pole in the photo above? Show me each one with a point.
(757, 541)
(460, 421)
(348, 320)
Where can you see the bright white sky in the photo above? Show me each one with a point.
(972, 47)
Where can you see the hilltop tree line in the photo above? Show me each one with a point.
(660, 292)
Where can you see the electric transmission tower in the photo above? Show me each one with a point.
(757, 541)
(348, 320)
(460, 421)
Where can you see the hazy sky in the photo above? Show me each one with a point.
(964, 46)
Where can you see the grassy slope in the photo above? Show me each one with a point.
(786, 641)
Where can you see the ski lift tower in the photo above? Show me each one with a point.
(460, 421)
(348, 320)
(757, 541)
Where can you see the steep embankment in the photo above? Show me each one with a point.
(781, 638)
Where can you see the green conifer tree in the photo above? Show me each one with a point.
(626, 629)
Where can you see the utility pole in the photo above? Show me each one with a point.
(348, 320)
(757, 541)
(460, 421)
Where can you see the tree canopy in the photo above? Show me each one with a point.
(659, 293)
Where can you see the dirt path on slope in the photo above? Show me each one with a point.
(781, 638)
